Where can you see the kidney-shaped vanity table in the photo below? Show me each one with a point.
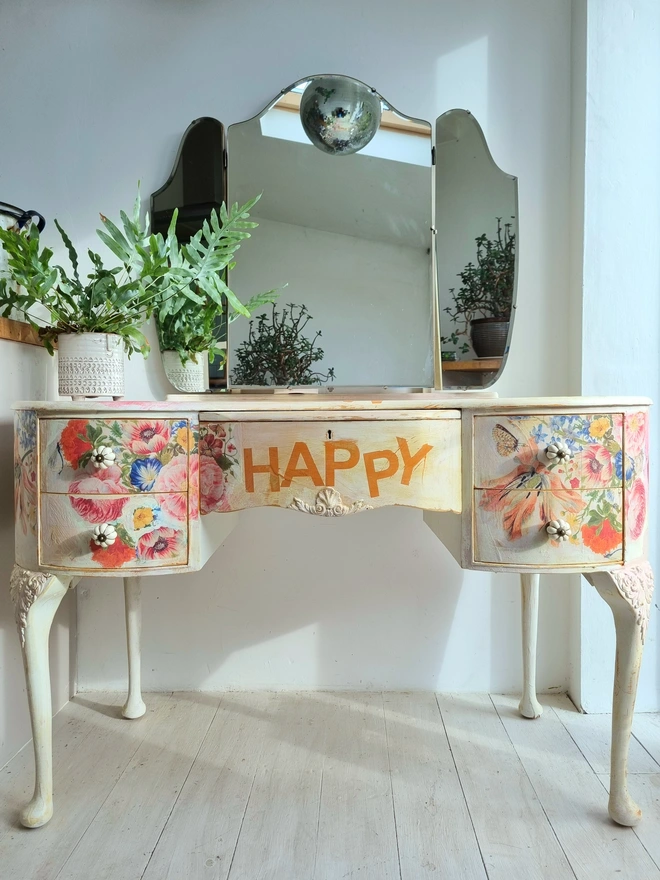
(538, 485)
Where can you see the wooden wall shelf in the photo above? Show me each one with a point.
(18, 331)
(479, 365)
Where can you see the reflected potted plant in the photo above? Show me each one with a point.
(277, 351)
(189, 328)
(482, 305)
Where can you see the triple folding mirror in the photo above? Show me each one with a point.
(392, 242)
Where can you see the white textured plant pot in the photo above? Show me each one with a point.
(191, 377)
(90, 365)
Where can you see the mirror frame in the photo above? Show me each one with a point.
(435, 312)
(218, 176)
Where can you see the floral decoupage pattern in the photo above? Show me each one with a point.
(25, 482)
(218, 464)
(636, 482)
(529, 490)
(147, 493)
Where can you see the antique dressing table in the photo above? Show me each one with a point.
(530, 485)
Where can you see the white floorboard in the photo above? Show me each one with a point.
(319, 786)
(572, 798)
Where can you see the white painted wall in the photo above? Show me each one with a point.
(290, 601)
(621, 272)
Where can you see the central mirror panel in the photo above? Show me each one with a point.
(345, 223)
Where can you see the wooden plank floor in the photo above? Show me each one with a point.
(320, 786)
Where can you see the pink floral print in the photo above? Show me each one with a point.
(95, 509)
(636, 509)
(597, 466)
(212, 485)
(163, 543)
(636, 433)
(147, 438)
(173, 479)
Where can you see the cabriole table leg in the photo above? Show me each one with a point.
(629, 592)
(36, 597)
(134, 706)
(529, 706)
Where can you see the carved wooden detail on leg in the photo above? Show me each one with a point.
(36, 597)
(134, 706)
(628, 592)
(529, 706)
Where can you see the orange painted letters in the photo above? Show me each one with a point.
(410, 461)
(331, 463)
(373, 476)
(272, 468)
(301, 450)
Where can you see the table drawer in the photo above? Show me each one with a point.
(152, 531)
(510, 527)
(149, 455)
(515, 446)
(416, 463)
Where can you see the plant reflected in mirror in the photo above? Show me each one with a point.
(278, 352)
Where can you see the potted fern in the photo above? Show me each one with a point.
(189, 329)
(483, 303)
(93, 319)
(96, 317)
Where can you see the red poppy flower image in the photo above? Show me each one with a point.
(112, 556)
(74, 442)
(602, 539)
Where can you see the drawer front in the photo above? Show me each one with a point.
(152, 531)
(510, 527)
(150, 455)
(513, 448)
(416, 463)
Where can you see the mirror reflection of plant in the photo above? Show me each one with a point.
(189, 326)
(486, 289)
(277, 352)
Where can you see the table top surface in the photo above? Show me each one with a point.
(324, 402)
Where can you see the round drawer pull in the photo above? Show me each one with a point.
(104, 535)
(102, 457)
(558, 451)
(558, 530)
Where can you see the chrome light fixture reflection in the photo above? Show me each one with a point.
(340, 115)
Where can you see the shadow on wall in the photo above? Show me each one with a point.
(330, 603)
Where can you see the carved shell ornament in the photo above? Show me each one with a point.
(558, 451)
(103, 457)
(329, 502)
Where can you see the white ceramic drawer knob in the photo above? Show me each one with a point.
(102, 457)
(558, 451)
(104, 535)
(558, 530)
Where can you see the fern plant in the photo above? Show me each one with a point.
(190, 326)
(55, 300)
(156, 274)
